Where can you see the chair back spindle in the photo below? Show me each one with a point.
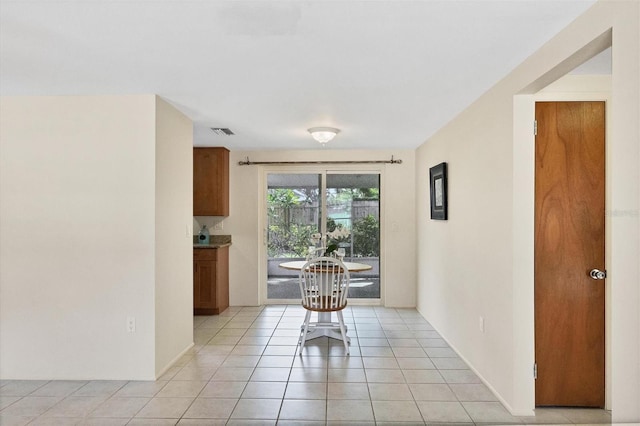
(324, 284)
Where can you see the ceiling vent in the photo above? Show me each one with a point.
(222, 131)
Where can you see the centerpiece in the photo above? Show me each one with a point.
(320, 247)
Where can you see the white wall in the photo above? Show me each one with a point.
(473, 264)
(78, 246)
(174, 244)
(245, 222)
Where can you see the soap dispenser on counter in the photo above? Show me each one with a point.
(203, 235)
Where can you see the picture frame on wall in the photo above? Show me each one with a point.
(438, 188)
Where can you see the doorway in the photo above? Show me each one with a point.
(344, 206)
(569, 250)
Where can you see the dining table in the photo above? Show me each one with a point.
(325, 326)
(297, 265)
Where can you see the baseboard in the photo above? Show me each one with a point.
(174, 360)
(484, 381)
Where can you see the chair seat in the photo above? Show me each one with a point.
(315, 308)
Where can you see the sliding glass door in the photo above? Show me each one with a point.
(349, 210)
(353, 209)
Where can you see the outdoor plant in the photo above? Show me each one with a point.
(366, 237)
(286, 238)
(289, 242)
(290, 238)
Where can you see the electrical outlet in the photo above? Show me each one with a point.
(188, 231)
(218, 226)
(481, 324)
(131, 324)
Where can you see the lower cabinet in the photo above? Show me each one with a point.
(210, 280)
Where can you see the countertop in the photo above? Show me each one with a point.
(215, 242)
(211, 245)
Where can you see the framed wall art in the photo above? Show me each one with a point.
(438, 185)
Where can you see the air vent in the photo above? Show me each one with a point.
(222, 131)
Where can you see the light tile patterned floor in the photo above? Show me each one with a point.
(244, 371)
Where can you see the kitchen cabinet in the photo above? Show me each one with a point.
(210, 280)
(211, 181)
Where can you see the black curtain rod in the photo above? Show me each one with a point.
(246, 162)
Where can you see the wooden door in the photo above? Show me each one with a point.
(569, 242)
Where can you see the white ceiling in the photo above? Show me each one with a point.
(387, 73)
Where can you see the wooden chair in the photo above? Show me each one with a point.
(324, 286)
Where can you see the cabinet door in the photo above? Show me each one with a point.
(210, 182)
(204, 288)
(222, 279)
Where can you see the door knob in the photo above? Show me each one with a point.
(597, 274)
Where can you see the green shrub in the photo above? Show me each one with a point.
(366, 237)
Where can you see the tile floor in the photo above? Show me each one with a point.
(243, 371)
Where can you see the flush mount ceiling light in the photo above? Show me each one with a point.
(323, 134)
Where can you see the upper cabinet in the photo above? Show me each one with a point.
(211, 181)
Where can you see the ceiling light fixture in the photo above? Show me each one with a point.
(323, 134)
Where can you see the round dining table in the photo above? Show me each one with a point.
(326, 327)
(297, 265)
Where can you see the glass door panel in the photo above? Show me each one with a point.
(353, 224)
(294, 212)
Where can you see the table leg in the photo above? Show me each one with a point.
(325, 327)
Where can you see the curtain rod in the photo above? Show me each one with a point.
(246, 162)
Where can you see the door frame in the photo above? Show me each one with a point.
(568, 88)
(262, 225)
